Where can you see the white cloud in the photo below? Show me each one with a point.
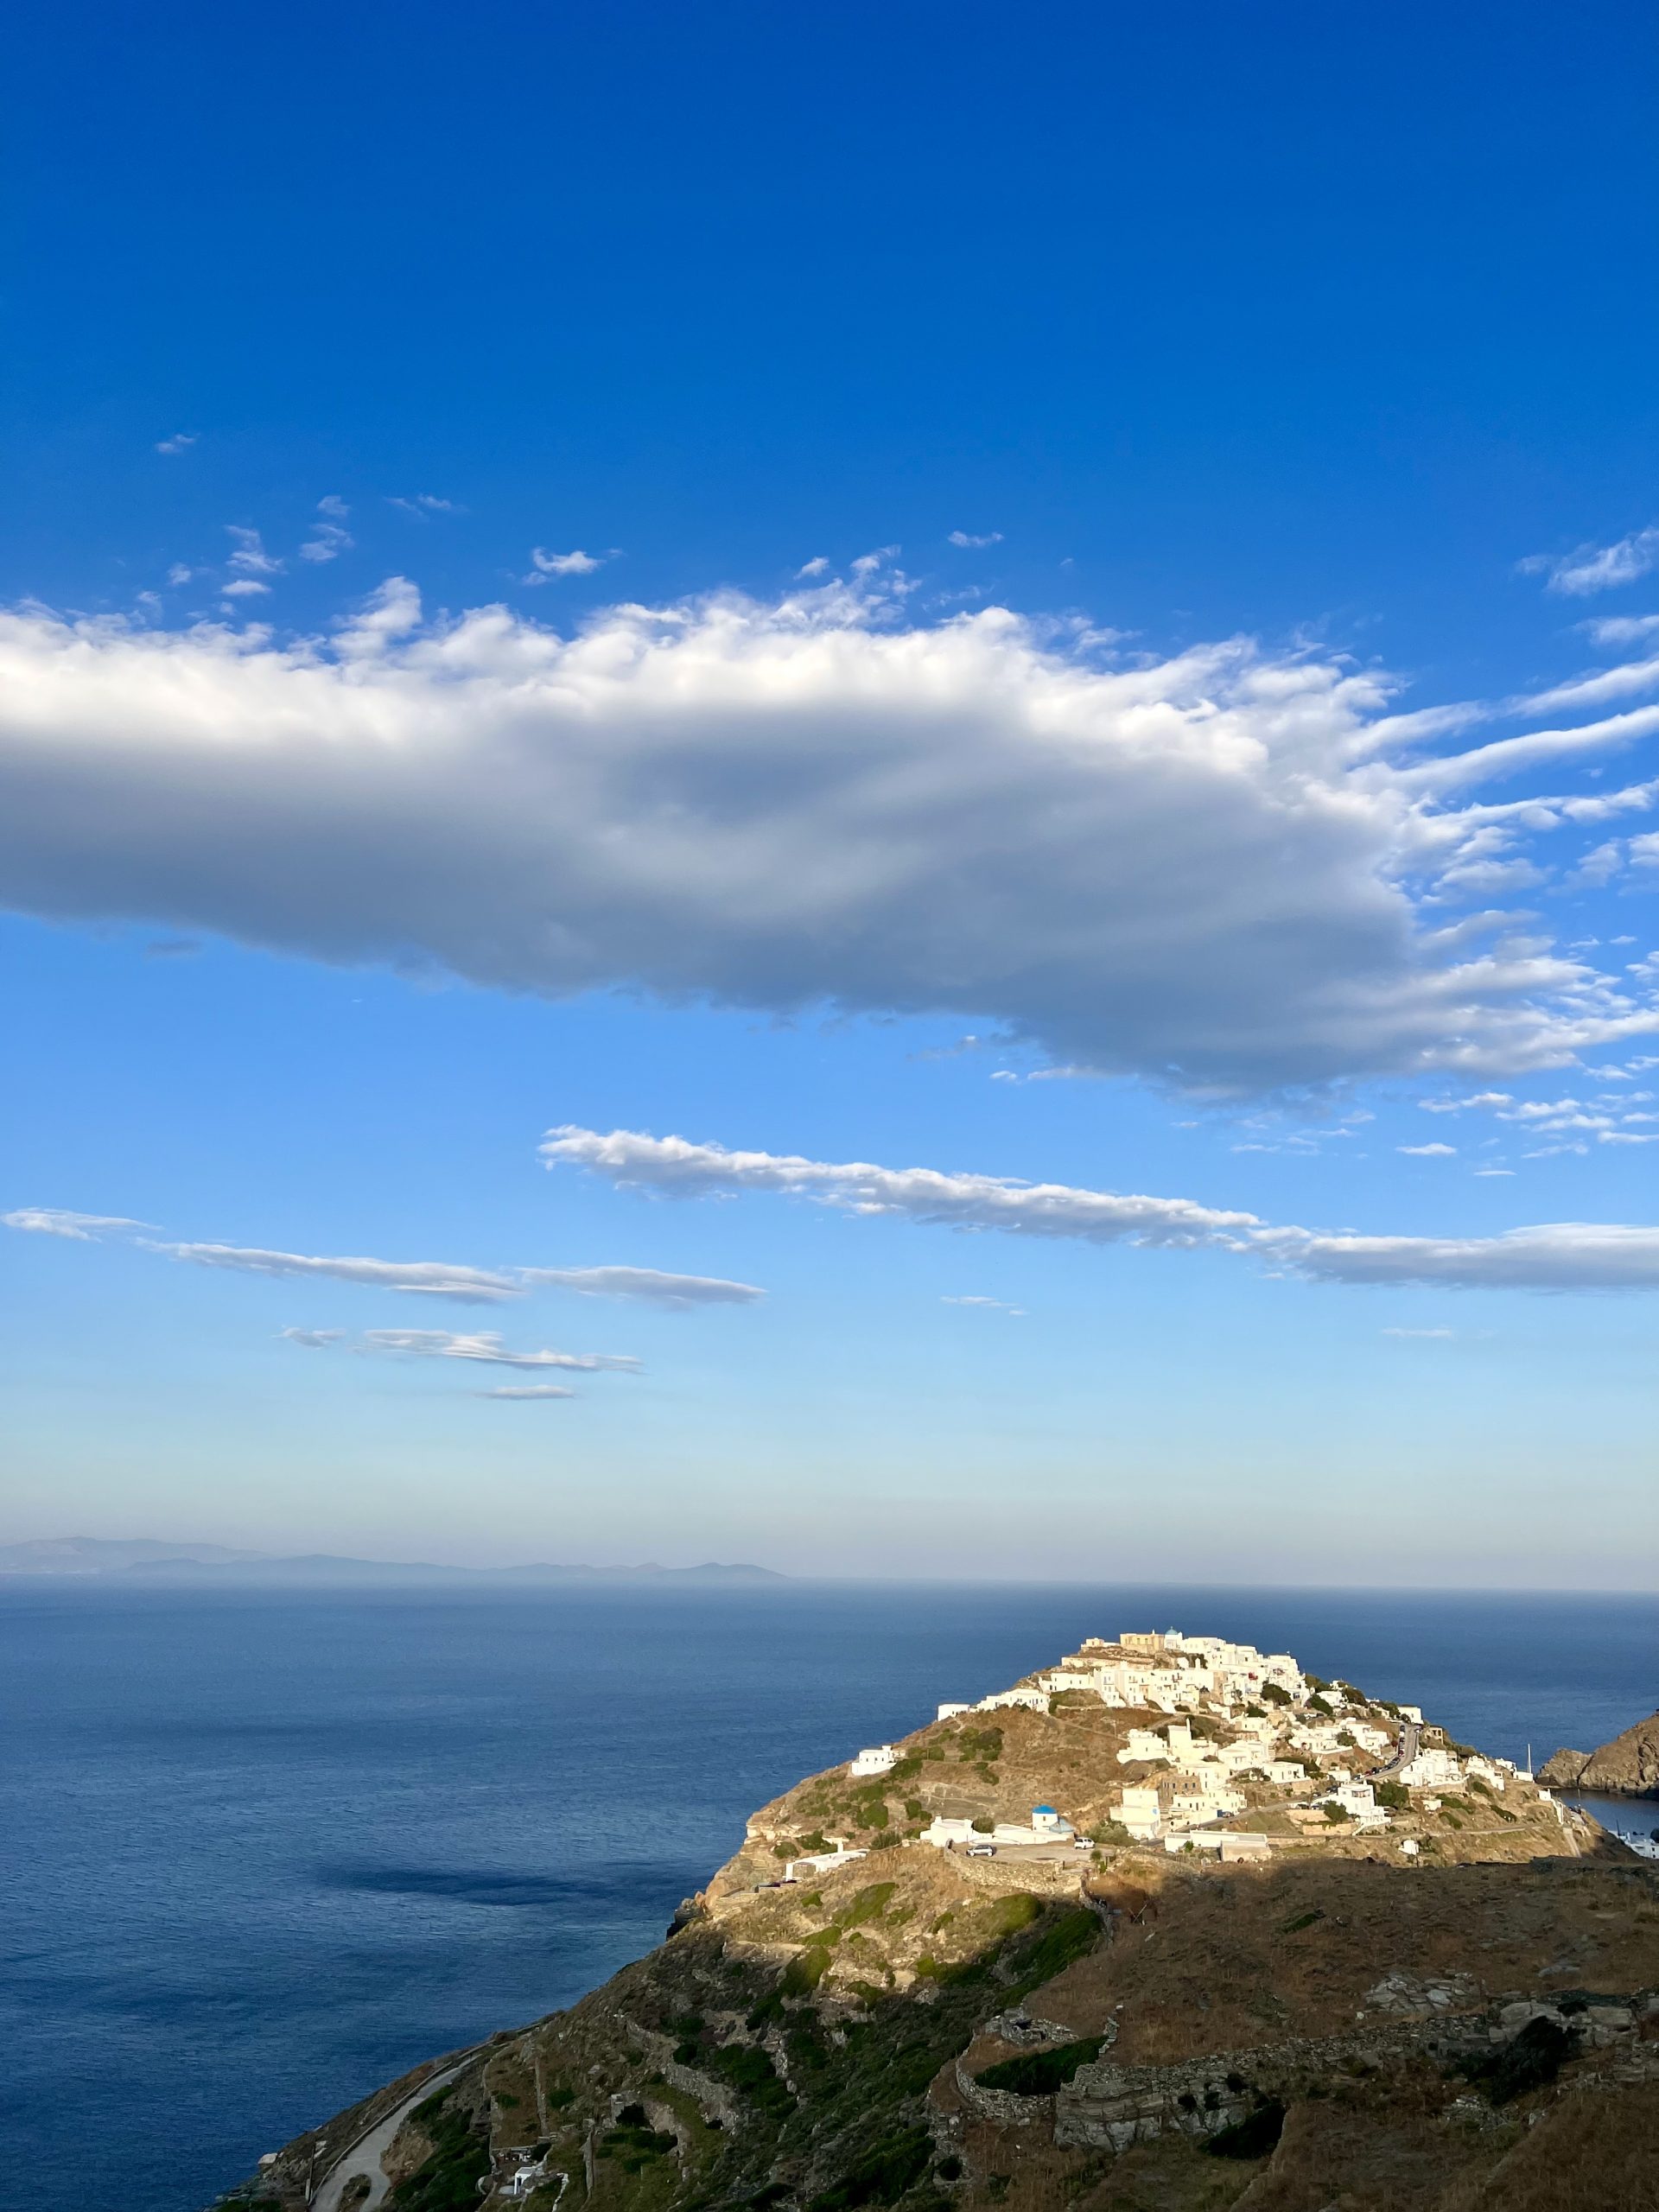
(331, 538)
(1420, 1332)
(250, 557)
(442, 1344)
(650, 1284)
(545, 566)
(423, 505)
(1598, 568)
(422, 1277)
(964, 538)
(313, 1339)
(634, 1160)
(1622, 629)
(1560, 1255)
(1556, 1256)
(527, 1390)
(1429, 1151)
(1620, 682)
(181, 441)
(178, 574)
(56, 1221)
(991, 1305)
(818, 566)
(246, 588)
(1206, 869)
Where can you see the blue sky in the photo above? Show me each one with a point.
(1067, 602)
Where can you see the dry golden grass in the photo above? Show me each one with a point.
(1226, 1966)
(1593, 2151)
(1333, 2155)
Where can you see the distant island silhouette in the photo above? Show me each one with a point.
(151, 1560)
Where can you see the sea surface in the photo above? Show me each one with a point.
(264, 1850)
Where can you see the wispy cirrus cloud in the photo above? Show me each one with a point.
(181, 441)
(487, 1349)
(989, 1304)
(57, 1221)
(420, 1278)
(424, 505)
(532, 1391)
(250, 557)
(650, 1284)
(966, 538)
(329, 537)
(546, 567)
(1559, 1255)
(1590, 569)
(484, 1349)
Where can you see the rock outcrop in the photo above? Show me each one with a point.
(1628, 1767)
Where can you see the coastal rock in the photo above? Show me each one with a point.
(1627, 1767)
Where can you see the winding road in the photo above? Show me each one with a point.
(365, 2154)
(1411, 1735)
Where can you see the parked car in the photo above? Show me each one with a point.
(981, 1850)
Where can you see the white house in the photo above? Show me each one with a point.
(1285, 1774)
(949, 1711)
(821, 1862)
(1139, 1812)
(1045, 1825)
(1432, 1769)
(880, 1759)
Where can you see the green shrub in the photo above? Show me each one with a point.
(1394, 1795)
(1338, 1814)
(1070, 1936)
(984, 1824)
(753, 2075)
(1273, 1694)
(447, 2180)
(1040, 2073)
(867, 1904)
(805, 1970)
(882, 2174)
(632, 2143)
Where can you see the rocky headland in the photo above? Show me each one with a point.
(1628, 1767)
(1171, 1927)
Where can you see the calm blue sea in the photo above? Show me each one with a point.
(264, 1851)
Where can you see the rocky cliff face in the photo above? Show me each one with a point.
(1628, 1767)
(1114, 2028)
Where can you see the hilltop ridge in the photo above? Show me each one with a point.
(1171, 1926)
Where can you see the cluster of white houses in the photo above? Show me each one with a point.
(1277, 1735)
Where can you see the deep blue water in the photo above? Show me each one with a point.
(264, 1851)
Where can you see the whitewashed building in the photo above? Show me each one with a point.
(881, 1758)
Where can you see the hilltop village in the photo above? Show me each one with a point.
(1170, 1926)
(1191, 1744)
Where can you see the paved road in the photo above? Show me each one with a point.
(1410, 1736)
(364, 2157)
